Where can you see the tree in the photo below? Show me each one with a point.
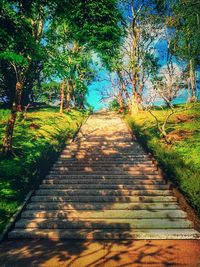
(136, 62)
(47, 92)
(164, 90)
(182, 19)
(96, 23)
(70, 63)
(23, 43)
(17, 56)
(113, 93)
(118, 81)
(186, 41)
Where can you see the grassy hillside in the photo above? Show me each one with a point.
(37, 141)
(181, 159)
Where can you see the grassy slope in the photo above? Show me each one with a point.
(37, 141)
(181, 160)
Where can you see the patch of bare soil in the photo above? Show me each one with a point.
(178, 135)
(34, 126)
(184, 118)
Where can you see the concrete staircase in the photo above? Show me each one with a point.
(104, 186)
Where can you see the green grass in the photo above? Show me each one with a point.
(181, 159)
(37, 142)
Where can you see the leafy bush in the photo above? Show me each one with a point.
(113, 105)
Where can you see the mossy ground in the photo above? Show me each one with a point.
(37, 142)
(181, 159)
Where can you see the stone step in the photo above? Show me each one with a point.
(109, 147)
(104, 165)
(101, 192)
(106, 151)
(103, 186)
(97, 151)
(102, 156)
(113, 143)
(104, 234)
(106, 160)
(122, 138)
(116, 135)
(105, 214)
(103, 145)
(106, 177)
(104, 224)
(103, 161)
(100, 206)
(106, 140)
(103, 141)
(88, 138)
(103, 172)
(96, 169)
(105, 199)
(102, 181)
(105, 168)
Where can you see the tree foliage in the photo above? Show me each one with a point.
(47, 40)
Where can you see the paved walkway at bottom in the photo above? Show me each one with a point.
(138, 253)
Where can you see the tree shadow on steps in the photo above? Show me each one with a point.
(59, 202)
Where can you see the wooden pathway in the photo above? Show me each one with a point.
(104, 187)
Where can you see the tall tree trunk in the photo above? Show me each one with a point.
(134, 103)
(134, 60)
(127, 98)
(120, 99)
(124, 90)
(193, 94)
(69, 91)
(139, 95)
(62, 95)
(120, 95)
(16, 106)
(8, 138)
(38, 24)
(18, 94)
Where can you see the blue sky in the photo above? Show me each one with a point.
(94, 95)
(94, 98)
(98, 85)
